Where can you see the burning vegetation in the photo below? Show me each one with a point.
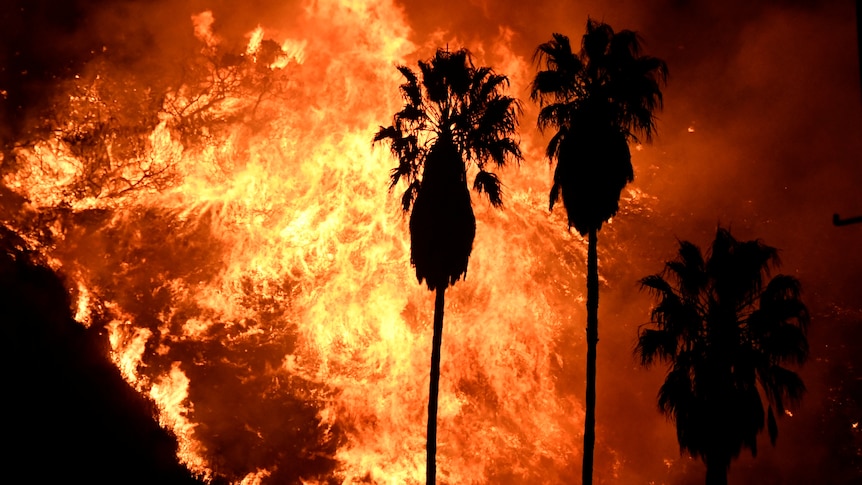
(230, 235)
(220, 220)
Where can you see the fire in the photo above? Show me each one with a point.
(171, 393)
(252, 269)
(128, 345)
(82, 310)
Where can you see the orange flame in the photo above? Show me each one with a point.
(270, 229)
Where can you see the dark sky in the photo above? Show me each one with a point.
(761, 132)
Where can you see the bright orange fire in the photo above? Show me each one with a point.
(254, 275)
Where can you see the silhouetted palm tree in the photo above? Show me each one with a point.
(726, 333)
(596, 100)
(454, 116)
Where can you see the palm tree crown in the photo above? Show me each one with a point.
(726, 333)
(454, 116)
(596, 100)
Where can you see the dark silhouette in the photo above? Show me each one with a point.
(838, 221)
(70, 415)
(725, 332)
(246, 421)
(596, 101)
(454, 115)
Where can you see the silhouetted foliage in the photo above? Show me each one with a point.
(596, 100)
(70, 415)
(454, 116)
(726, 331)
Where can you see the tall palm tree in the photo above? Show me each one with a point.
(725, 333)
(596, 101)
(454, 116)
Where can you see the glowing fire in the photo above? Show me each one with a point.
(253, 271)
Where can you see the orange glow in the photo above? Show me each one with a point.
(202, 178)
(258, 219)
(128, 344)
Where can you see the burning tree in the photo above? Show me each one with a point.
(454, 116)
(106, 137)
(725, 333)
(596, 100)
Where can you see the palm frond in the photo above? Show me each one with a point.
(433, 80)
(596, 41)
(489, 183)
(625, 44)
(554, 196)
(559, 81)
(411, 113)
(411, 90)
(688, 269)
(655, 345)
(772, 427)
(553, 150)
(409, 195)
(781, 385)
(402, 170)
(739, 268)
(788, 343)
(486, 84)
(782, 299)
(676, 395)
(657, 285)
(408, 74)
(557, 115)
(389, 132)
(498, 151)
(557, 54)
(748, 419)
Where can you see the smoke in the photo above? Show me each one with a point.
(761, 132)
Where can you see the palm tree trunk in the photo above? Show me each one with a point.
(436, 343)
(716, 471)
(592, 341)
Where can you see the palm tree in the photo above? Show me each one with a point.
(454, 116)
(596, 101)
(725, 333)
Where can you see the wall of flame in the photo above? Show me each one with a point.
(217, 205)
(253, 275)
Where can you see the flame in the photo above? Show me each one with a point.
(203, 23)
(128, 344)
(82, 308)
(251, 239)
(171, 393)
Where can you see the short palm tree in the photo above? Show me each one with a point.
(455, 116)
(596, 101)
(726, 334)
